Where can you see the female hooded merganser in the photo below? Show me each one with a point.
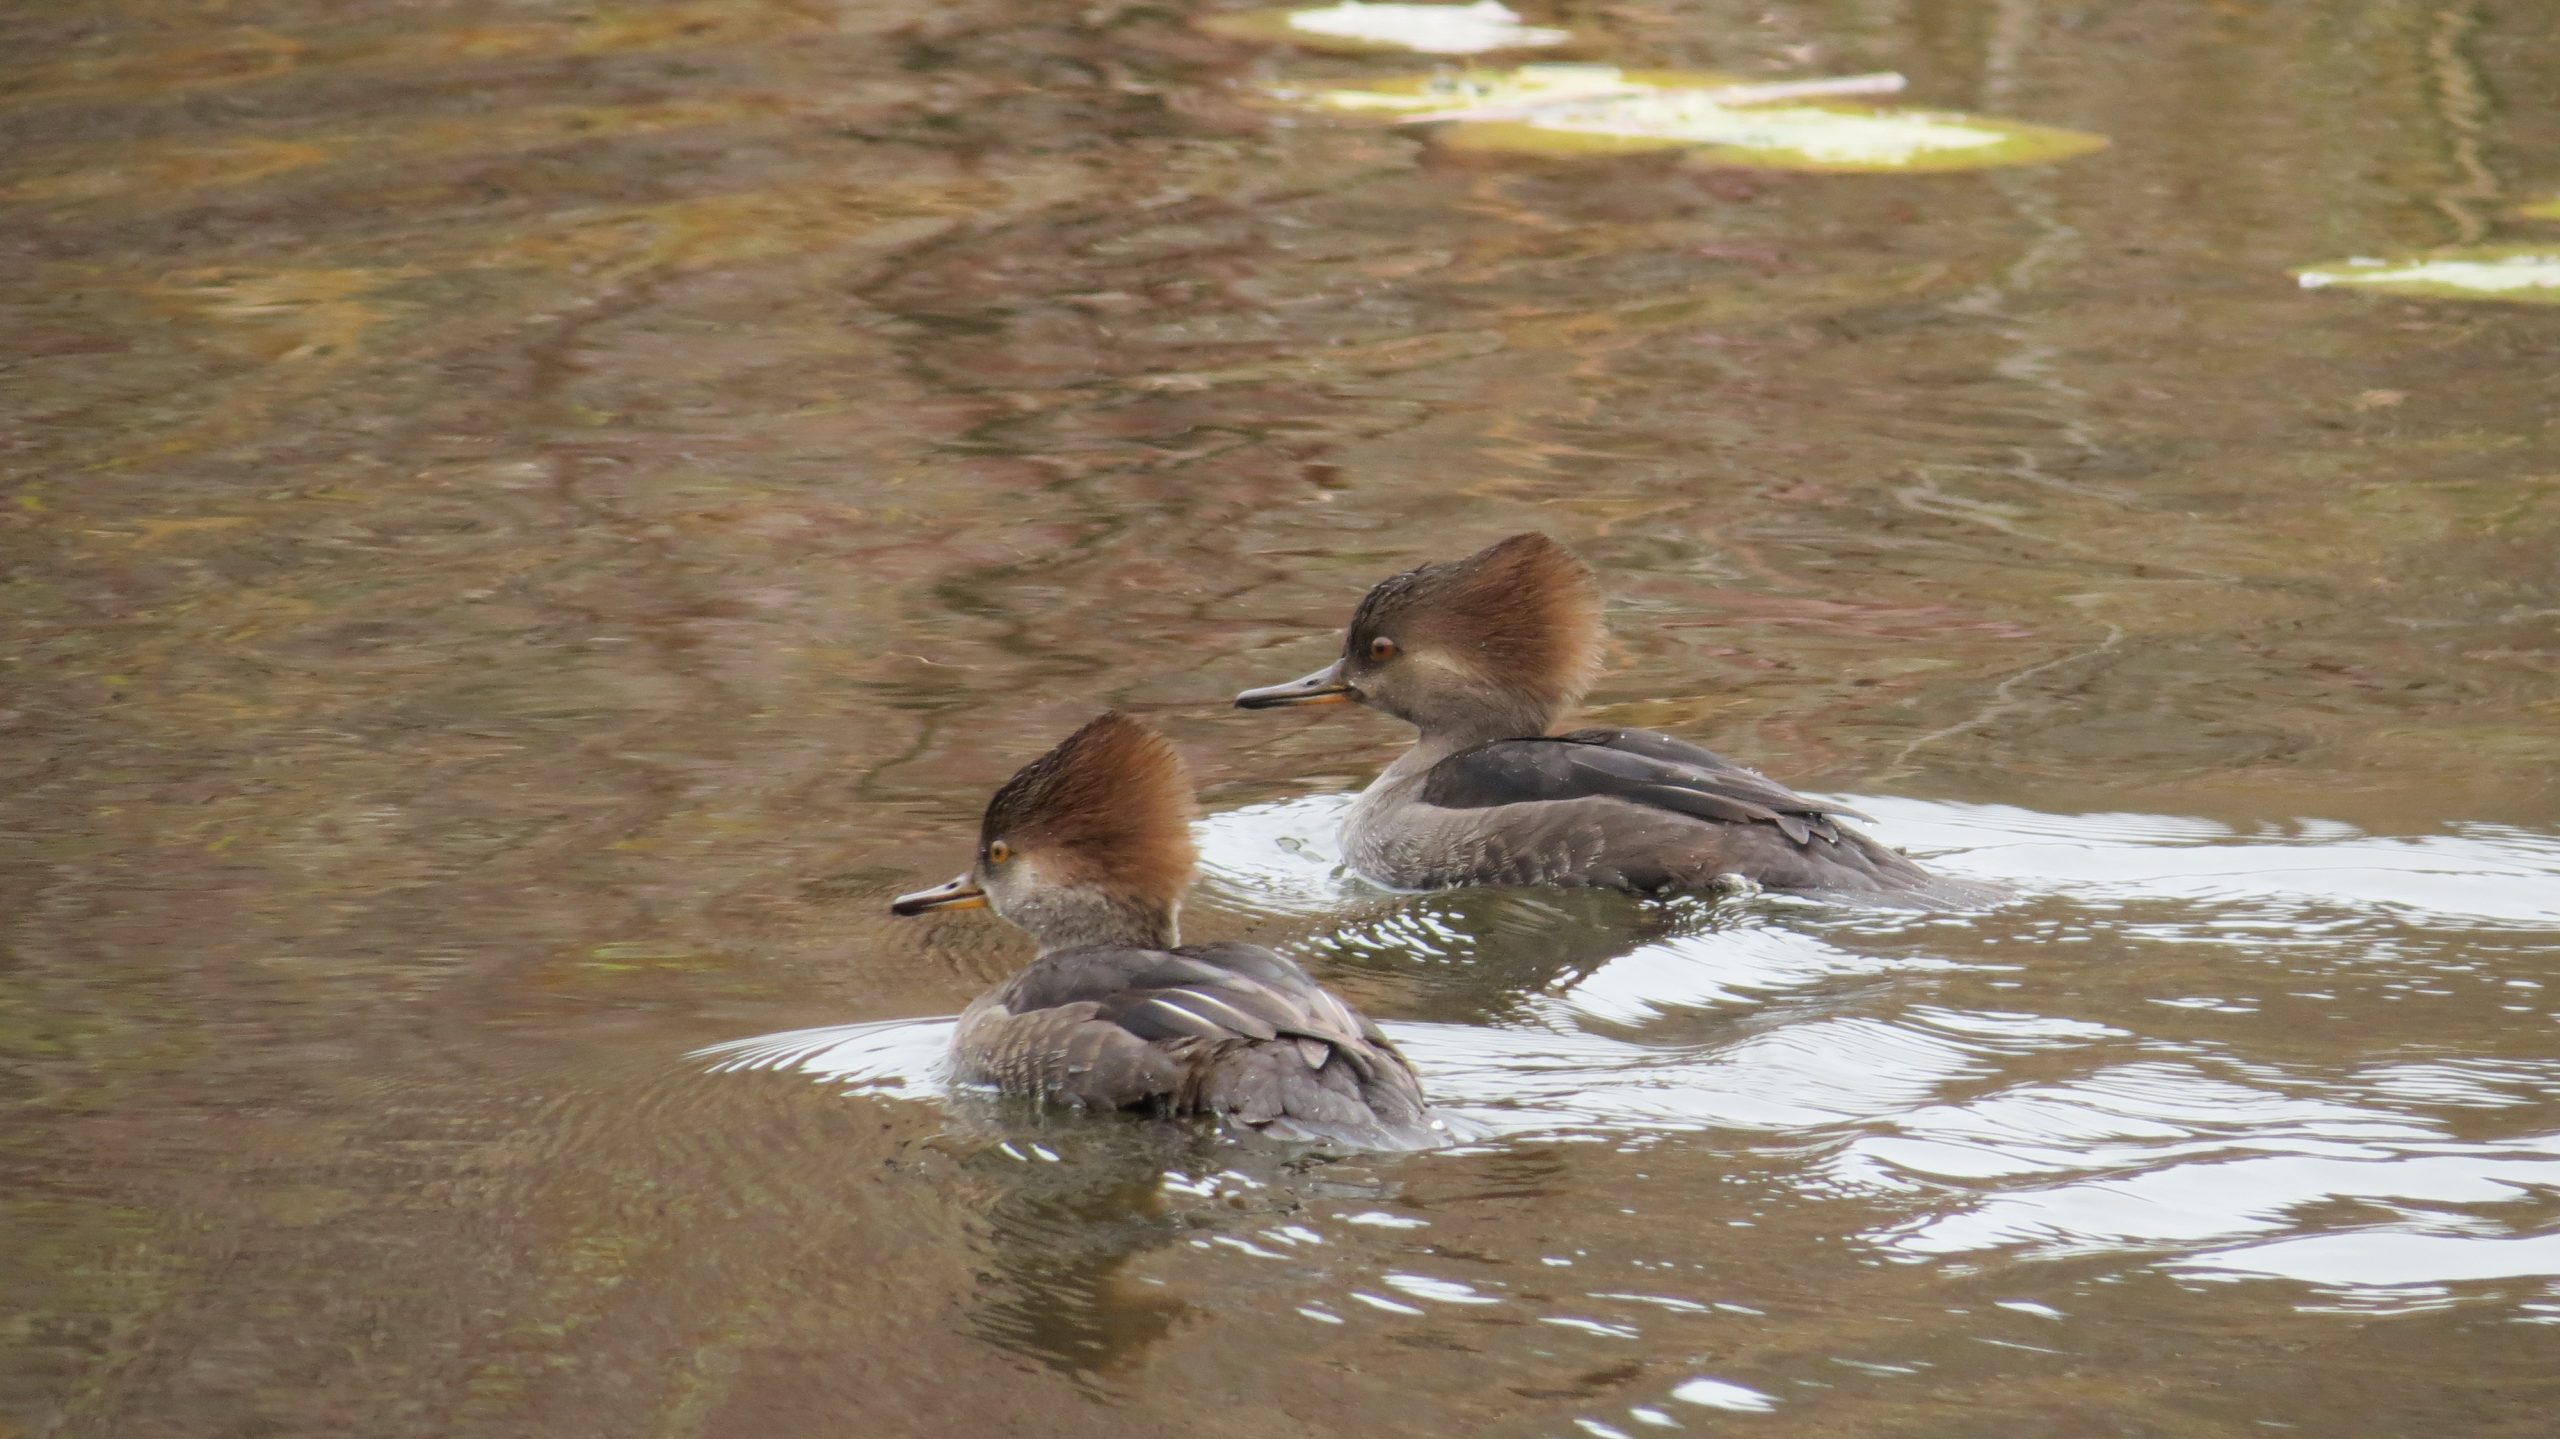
(1483, 655)
(1088, 849)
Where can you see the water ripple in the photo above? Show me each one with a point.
(2166, 1159)
(2471, 874)
(2200, 1143)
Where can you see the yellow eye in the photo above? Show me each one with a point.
(999, 852)
(1382, 648)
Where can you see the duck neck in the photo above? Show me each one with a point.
(1414, 765)
(1089, 919)
(1439, 741)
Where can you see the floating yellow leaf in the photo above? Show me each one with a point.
(1353, 27)
(1449, 92)
(2526, 273)
(1786, 125)
(1791, 137)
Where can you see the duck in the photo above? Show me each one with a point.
(1484, 656)
(1088, 850)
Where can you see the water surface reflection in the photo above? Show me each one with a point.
(1807, 1040)
(524, 525)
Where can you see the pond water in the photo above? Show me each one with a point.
(526, 524)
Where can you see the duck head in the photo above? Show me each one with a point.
(1495, 646)
(1090, 844)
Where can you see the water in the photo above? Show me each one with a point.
(2023, 1130)
(525, 526)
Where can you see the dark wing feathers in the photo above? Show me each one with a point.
(1637, 766)
(1170, 1014)
(1680, 752)
(1229, 1028)
(1651, 744)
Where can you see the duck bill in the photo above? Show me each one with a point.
(960, 893)
(1325, 687)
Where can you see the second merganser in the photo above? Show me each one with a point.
(1484, 655)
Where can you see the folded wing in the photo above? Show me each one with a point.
(1226, 1028)
(1637, 766)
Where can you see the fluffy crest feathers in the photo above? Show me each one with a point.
(1524, 613)
(1110, 805)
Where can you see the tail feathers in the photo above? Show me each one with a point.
(1360, 1101)
(1892, 877)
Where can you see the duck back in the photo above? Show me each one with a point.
(1618, 809)
(1231, 1030)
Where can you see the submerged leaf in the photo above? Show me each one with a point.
(1355, 27)
(2542, 210)
(1570, 109)
(2526, 273)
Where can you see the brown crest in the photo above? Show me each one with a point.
(1111, 804)
(1524, 613)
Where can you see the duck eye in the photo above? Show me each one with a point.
(1382, 648)
(999, 852)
